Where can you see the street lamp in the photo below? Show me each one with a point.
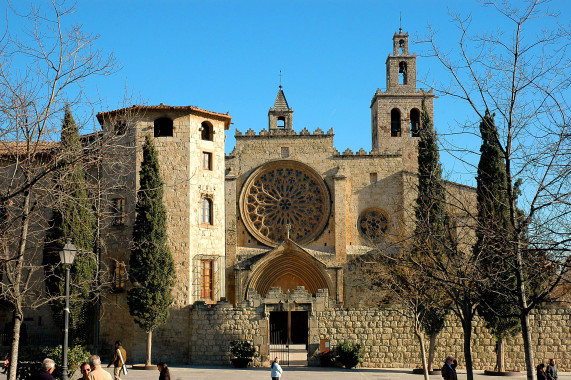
(66, 255)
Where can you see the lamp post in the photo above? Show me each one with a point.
(66, 255)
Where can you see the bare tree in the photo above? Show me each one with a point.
(42, 69)
(524, 80)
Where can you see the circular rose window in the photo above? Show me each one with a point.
(281, 196)
(373, 224)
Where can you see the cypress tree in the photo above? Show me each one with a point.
(432, 233)
(72, 219)
(432, 228)
(493, 236)
(151, 263)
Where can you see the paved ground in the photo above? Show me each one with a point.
(314, 373)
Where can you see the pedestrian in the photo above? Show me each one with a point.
(97, 373)
(85, 369)
(541, 372)
(48, 366)
(551, 370)
(449, 369)
(118, 360)
(276, 369)
(164, 370)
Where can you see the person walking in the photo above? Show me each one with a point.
(118, 360)
(449, 369)
(48, 367)
(541, 372)
(97, 373)
(276, 369)
(164, 370)
(551, 370)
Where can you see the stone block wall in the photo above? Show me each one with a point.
(388, 340)
(386, 336)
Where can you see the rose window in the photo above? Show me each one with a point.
(285, 196)
(373, 224)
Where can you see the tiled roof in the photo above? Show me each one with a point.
(281, 102)
(163, 107)
(14, 148)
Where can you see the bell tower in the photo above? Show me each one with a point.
(280, 116)
(395, 112)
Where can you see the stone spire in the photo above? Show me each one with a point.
(280, 116)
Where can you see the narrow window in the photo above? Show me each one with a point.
(207, 280)
(118, 211)
(414, 122)
(281, 122)
(119, 276)
(206, 211)
(206, 131)
(207, 160)
(163, 127)
(402, 73)
(401, 47)
(395, 123)
(285, 151)
(373, 177)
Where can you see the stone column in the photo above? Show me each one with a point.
(340, 214)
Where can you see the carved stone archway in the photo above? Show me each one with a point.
(289, 266)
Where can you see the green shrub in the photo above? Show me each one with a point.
(75, 356)
(327, 359)
(242, 353)
(349, 354)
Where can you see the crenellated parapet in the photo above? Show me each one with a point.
(362, 153)
(284, 133)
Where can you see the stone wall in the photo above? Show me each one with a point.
(386, 336)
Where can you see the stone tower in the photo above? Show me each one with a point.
(280, 116)
(395, 113)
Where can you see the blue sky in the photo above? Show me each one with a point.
(225, 56)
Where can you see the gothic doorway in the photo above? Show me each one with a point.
(288, 327)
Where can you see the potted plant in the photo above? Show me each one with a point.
(242, 353)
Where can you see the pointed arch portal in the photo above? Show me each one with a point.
(287, 270)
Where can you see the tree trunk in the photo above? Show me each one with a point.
(18, 318)
(149, 344)
(420, 336)
(500, 362)
(431, 349)
(526, 335)
(17, 301)
(467, 329)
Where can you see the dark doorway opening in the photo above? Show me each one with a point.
(288, 327)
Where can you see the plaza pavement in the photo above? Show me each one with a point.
(294, 373)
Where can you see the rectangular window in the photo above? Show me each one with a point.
(207, 280)
(207, 160)
(119, 276)
(118, 211)
(373, 177)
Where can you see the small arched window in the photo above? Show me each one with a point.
(395, 123)
(281, 122)
(414, 122)
(403, 73)
(206, 131)
(206, 210)
(163, 127)
(401, 47)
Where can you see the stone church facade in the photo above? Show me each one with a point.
(262, 238)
